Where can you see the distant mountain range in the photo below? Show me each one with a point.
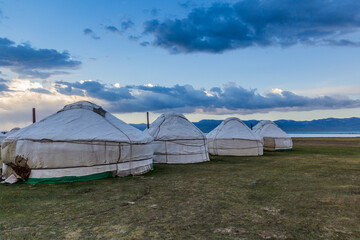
(320, 125)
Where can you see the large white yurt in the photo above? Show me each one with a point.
(177, 140)
(80, 142)
(274, 137)
(233, 138)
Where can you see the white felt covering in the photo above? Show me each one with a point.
(80, 136)
(177, 140)
(233, 138)
(280, 139)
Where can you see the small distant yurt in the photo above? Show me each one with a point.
(177, 140)
(12, 131)
(274, 137)
(233, 138)
(80, 142)
(2, 137)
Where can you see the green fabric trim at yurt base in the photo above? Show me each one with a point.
(285, 149)
(70, 178)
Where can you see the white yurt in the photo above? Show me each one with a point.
(233, 138)
(177, 140)
(80, 142)
(274, 137)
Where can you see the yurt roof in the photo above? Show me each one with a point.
(173, 126)
(82, 121)
(233, 128)
(268, 128)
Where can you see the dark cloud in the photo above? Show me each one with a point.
(186, 98)
(3, 87)
(92, 89)
(145, 44)
(89, 32)
(125, 25)
(249, 23)
(31, 62)
(134, 38)
(66, 89)
(112, 29)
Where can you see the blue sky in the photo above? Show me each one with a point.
(252, 59)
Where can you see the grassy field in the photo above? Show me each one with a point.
(312, 192)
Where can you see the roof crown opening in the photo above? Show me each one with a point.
(85, 105)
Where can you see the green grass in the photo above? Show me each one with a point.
(312, 192)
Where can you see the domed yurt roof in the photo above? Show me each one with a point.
(80, 142)
(172, 125)
(82, 121)
(232, 137)
(177, 140)
(233, 128)
(267, 128)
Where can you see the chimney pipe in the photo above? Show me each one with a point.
(147, 117)
(34, 115)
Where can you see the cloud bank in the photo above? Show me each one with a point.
(187, 99)
(34, 63)
(48, 97)
(259, 23)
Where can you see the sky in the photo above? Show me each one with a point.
(253, 59)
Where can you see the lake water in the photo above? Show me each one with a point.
(325, 134)
(344, 134)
